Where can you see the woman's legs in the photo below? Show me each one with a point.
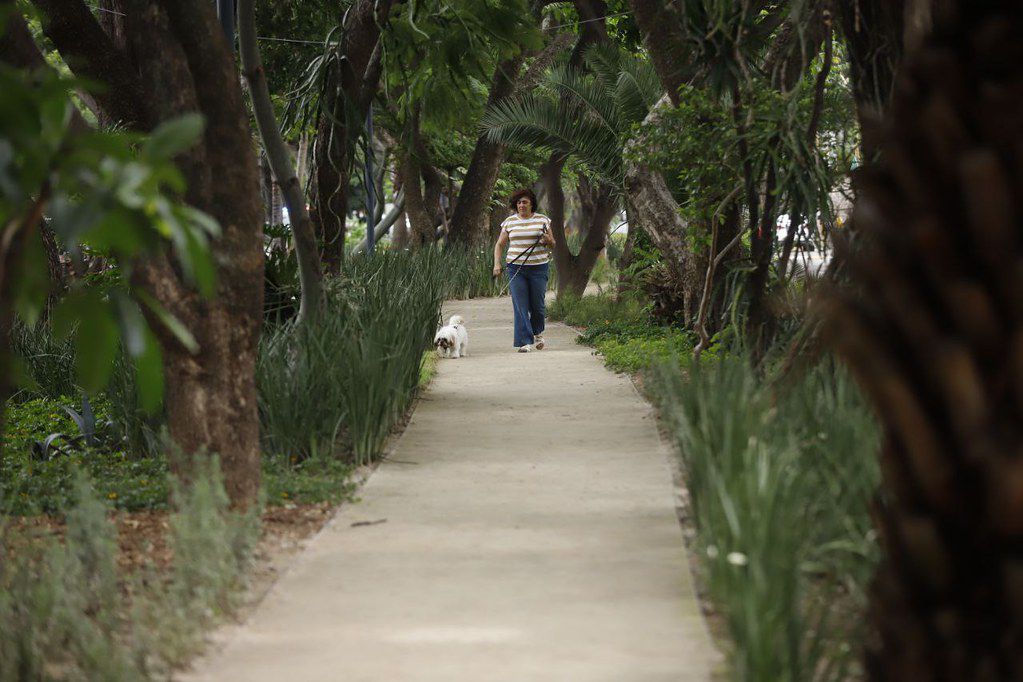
(537, 292)
(520, 293)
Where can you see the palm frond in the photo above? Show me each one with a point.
(587, 95)
(554, 125)
(637, 90)
(605, 60)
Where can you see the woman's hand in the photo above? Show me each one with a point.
(548, 237)
(497, 269)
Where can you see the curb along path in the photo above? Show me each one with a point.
(524, 530)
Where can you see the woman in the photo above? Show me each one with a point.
(529, 240)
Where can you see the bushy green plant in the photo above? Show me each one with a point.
(317, 479)
(634, 355)
(604, 309)
(346, 380)
(60, 605)
(63, 614)
(30, 486)
(139, 429)
(780, 483)
(468, 272)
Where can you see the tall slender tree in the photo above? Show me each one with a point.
(282, 164)
(352, 69)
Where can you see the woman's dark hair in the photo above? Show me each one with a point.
(518, 194)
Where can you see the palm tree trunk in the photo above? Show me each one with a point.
(933, 335)
(873, 38)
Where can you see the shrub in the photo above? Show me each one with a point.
(63, 614)
(601, 311)
(637, 354)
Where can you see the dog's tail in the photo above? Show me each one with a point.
(456, 319)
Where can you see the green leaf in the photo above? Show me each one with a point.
(20, 374)
(149, 373)
(133, 325)
(173, 324)
(175, 136)
(96, 343)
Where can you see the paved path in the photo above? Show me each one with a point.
(530, 535)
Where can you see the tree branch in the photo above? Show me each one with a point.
(283, 166)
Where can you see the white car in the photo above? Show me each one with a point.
(807, 253)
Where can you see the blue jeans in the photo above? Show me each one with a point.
(528, 286)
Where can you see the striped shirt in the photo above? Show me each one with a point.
(522, 234)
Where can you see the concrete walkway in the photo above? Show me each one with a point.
(523, 529)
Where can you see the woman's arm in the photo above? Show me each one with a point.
(502, 241)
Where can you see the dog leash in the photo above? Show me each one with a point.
(525, 254)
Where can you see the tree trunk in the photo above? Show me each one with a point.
(178, 61)
(421, 219)
(917, 19)
(468, 224)
(873, 37)
(652, 209)
(933, 336)
(598, 206)
(666, 42)
(333, 157)
(348, 95)
(283, 165)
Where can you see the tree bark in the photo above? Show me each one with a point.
(283, 166)
(574, 269)
(652, 208)
(421, 220)
(933, 335)
(92, 54)
(665, 40)
(918, 18)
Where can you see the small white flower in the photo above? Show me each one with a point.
(712, 552)
(753, 441)
(822, 435)
(737, 559)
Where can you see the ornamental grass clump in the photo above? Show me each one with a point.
(780, 480)
(339, 386)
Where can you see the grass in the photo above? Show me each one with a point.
(339, 387)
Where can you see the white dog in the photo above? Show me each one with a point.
(452, 341)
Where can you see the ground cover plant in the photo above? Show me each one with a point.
(621, 330)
